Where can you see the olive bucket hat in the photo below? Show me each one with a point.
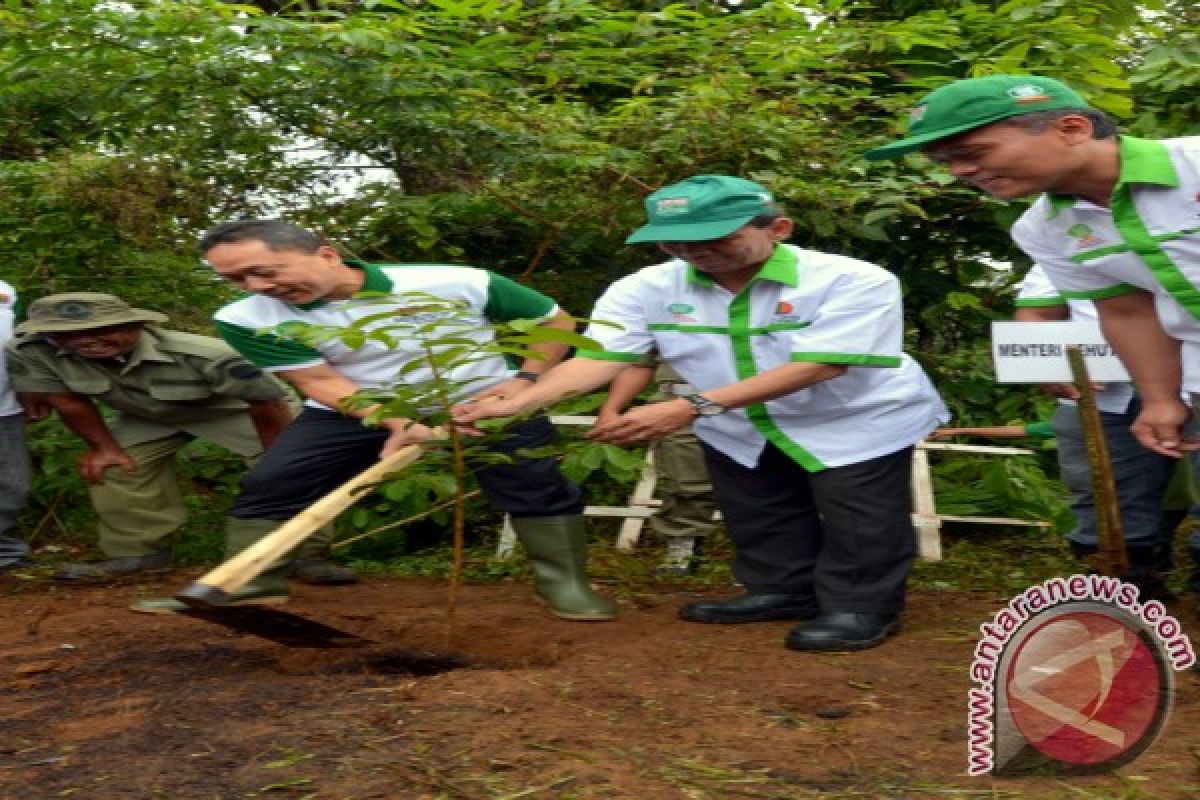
(975, 102)
(81, 311)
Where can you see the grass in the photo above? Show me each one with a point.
(975, 558)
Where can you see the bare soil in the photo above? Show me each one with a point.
(102, 703)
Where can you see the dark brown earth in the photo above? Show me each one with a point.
(104, 704)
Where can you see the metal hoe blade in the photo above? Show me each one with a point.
(278, 626)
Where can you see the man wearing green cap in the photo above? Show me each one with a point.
(1116, 220)
(807, 408)
(167, 388)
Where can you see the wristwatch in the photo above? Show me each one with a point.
(705, 407)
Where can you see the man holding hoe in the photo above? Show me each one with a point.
(294, 275)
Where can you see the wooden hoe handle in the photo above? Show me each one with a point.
(217, 586)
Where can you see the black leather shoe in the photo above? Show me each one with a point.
(834, 631)
(752, 608)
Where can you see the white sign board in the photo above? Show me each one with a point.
(1036, 352)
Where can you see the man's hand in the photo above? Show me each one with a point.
(502, 390)
(405, 432)
(466, 413)
(1067, 391)
(93, 463)
(1160, 428)
(644, 423)
(606, 416)
(36, 407)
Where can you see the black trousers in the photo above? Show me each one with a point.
(844, 534)
(322, 449)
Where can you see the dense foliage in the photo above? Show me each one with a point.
(522, 136)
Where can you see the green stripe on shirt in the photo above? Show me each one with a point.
(267, 349)
(608, 355)
(854, 359)
(508, 300)
(1100, 294)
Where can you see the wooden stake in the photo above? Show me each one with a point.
(1110, 557)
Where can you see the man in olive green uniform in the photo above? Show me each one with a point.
(688, 503)
(166, 388)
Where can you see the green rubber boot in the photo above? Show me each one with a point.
(311, 562)
(240, 534)
(269, 588)
(557, 550)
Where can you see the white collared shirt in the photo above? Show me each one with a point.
(802, 306)
(1037, 290)
(1148, 239)
(486, 297)
(8, 304)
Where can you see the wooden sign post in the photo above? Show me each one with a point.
(1110, 557)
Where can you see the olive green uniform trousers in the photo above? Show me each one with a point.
(686, 492)
(137, 513)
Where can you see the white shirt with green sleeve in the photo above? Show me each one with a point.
(1149, 238)
(1035, 291)
(487, 296)
(803, 306)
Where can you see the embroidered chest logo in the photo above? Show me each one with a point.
(681, 312)
(1083, 236)
(785, 312)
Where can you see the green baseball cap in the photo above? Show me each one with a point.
(81, 311)
(702, 207)
(972, 103)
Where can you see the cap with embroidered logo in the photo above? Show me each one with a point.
(972, 103)
(701, 208)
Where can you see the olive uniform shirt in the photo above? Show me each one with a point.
(171, 382)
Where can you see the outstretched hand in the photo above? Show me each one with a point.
(644, 423)
(483, 407)
(502, 390)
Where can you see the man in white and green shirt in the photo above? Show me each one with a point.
(294, 275)
(1140, 475)
(806, 406)
(1116, 221)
